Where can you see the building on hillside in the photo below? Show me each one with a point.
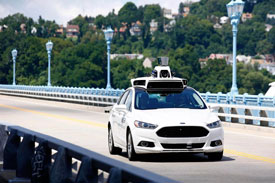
(123, 29)
(270, 67)
(60, 30)
(268, 27)
(92, 26)
(126, 56)
(246, 16)
(23, 28)
(168, 27)
(243, 58)
(258, 61)
(203, 62)
(270, 16)
(34, 30)
(269, 58)
(115, 31)
(186, 10)
(167, 13)
(72, 31)
(148, 62)
(153, 26)
(217, 26)
(227, 57)
(3, 27)
(224, 20)
(135, 30)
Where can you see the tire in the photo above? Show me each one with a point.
(112, 148)
(216, 156)
(132, 156)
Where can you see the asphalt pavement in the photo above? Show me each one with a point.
(249, 154)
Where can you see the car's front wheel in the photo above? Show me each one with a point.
(216, 156)
(130, 148)
(112, 148)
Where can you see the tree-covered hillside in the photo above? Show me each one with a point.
(82, 62)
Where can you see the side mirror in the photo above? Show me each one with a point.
(121, 107)
(212, 108)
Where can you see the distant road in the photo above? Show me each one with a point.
(249, 155)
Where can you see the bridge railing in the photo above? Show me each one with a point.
(220, 98)
(91, 96)
(36, 163)
(245, 99)
(61, 89)
(231, 107)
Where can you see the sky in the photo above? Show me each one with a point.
(64, 10)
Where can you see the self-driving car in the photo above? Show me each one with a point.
(161, 114)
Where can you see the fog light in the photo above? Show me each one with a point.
(146, 144)
(216, 143)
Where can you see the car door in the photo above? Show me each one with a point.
(116, 113)
(124, 117)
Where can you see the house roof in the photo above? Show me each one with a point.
(72, 28)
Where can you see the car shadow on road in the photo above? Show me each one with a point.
(176, 157)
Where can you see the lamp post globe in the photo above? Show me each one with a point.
(234, 11)
(108, 37)
(14, 55)
(49, 47)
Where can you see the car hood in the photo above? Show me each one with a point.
(176, 116)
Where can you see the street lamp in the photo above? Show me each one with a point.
(234, 10)
(108, 36)
(14, 54)
(49, 47)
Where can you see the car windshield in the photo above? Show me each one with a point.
(188, 98)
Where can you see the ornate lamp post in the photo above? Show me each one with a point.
(108, 36)
(234, 10)
(14, 54)
(49, 47)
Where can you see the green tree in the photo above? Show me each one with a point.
(181, 8)
(152, 11)
(128, 13)
(264, 47)
(100, 21)
(271, 39)
(262, 8)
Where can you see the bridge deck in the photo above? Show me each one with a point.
(249, 155)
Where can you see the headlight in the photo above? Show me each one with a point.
(215, 124)
(140, 124)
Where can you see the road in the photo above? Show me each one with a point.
(249, 155)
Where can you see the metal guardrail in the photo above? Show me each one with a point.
(29, 162)
(87, 96)
(262, 116)
(67, 90)
(247, 109)
(81, 93)
(103, 97)
(245, 99)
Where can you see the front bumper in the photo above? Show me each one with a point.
(187, 144)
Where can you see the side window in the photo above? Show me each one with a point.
(129, 100)
(123, 98)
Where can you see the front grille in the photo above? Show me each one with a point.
(182, 146)
(182, 131)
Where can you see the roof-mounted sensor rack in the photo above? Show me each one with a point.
(161, 78)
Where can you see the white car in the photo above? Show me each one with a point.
(160, 114)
